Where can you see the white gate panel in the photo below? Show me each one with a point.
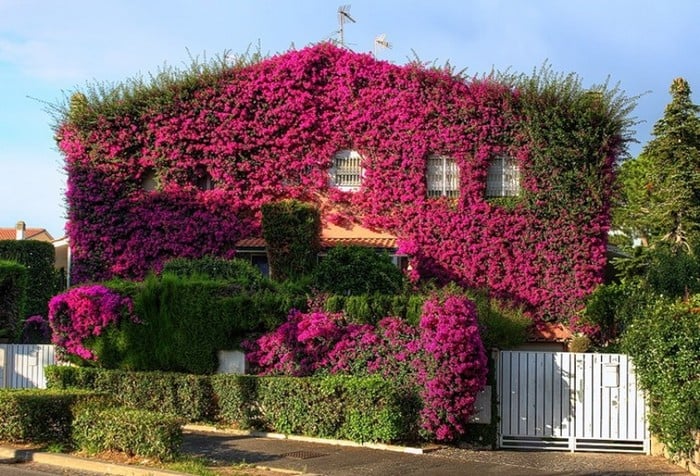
(22, 365)
(570, 401)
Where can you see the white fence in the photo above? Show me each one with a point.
(570, 401)
(22, 365)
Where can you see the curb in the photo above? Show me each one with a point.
(9, 455)
(308, 439)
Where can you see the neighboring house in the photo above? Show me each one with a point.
(21, 232)
(476, 181)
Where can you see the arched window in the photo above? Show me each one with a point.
(346, 172)
(442, 176)
(503, 177)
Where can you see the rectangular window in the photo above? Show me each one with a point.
(503, 177)
(442, 176)
(346, 173)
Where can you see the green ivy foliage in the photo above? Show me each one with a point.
(356, 270)
(13, 294)
(292, 231)
(664, 342)
(38, 257)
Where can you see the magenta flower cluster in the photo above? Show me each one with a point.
(444, 356)
(269, 131)
(83, 312)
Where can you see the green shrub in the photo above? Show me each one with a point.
(13, 294)
(664, 343)
(292, 231)
(187, 396)
(358, 408)
(502, 326)
(371, 308)
(355, 270)
(39, 416)
(134, 432)
(39, 258)
(236, 271)
(236, 399)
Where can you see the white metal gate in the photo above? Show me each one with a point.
(571, 402)
(22, 365)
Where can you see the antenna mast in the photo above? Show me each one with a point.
(343, 14)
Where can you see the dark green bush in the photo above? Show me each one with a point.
(358, 408)
(39, 416)
(13, 296)
(237, 400)
(39, 258)
(292, 231)
(134, 432)
(355, 270)
(236, 271)
(371, 308)
(186, 396)
(664, 342)
(502, 326)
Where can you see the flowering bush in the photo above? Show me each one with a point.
(445, 356)
(454, 366)
(36, 330)
(83, 312)
(266, 131)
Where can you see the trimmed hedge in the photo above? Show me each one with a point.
(13, 296)
(356, 408)
(134, 432)
(186, 396)
(39, 258)
(185, 321)
(39, 416)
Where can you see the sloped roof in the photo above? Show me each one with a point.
(549, 332)
(337, 235)
(29, 234)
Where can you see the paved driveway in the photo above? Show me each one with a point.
(334, 460)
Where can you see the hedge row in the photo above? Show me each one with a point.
(39, 416)
(184, 320)
(134, 432)
(355, 408)
(13, 294)
(38, 257)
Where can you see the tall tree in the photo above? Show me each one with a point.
(659, 198)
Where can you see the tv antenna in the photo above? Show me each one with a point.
(381, 42)
(343, 15)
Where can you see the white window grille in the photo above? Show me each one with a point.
(503, 177)
(442, 176)
(346, 172)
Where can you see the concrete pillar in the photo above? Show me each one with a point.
(20, 229)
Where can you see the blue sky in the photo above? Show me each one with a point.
(50, 48)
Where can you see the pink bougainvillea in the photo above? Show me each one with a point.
(454, 367)
(83, 312)
(269, 131)
(445, 356)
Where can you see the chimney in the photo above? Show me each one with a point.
(20, 228)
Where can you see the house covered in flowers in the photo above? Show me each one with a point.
(501, 183)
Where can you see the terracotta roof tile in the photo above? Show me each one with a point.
(550, 332)
(29, 233)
